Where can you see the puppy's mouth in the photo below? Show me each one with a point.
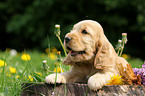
(74, 53)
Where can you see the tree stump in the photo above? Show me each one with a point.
(76, 89)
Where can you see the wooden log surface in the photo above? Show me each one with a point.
(76, 89)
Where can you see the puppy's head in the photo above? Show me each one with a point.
(82, 41)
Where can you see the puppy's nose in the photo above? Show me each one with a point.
(67, 39)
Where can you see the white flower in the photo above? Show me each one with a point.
(13, 52)
(57, 29)
(119, 41)
(57, 26)
(44, 61)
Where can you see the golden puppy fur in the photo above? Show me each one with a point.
(91, 55)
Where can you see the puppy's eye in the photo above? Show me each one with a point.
(84, 32)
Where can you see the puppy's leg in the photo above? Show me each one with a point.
(66, 77)
(51, 78)
(99, 79)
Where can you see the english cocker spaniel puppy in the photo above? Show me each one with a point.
(91, 55)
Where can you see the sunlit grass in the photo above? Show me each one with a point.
(17, 71)
(135, 62)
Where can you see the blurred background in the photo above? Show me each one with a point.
(29, 24)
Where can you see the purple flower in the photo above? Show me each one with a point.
(143, 65)
(136, 70)
(140, 72)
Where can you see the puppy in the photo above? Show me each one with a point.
(91, 56)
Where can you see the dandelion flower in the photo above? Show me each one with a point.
(12, 69)
(44, 61)
(54, 50)
(56, 63)
(13, 52)
(47, 50)
(30, 78)
(17, 76)
(40, 74)
(25, 57)
(124, 37)
(58, 52)
(2, 63)
(57, 26)
(59, 70)
(125, 56)
(115, 80)
(57, 29)
(52, 56)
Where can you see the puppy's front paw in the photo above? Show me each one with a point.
(51, 78)
(95, 83)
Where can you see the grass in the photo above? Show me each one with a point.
(32, 70)
(25, 71)
(136, 62)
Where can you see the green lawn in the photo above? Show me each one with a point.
(17, 71)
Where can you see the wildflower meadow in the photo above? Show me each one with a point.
(25, 67)
(32, 66)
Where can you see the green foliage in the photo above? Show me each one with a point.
(11, 83)
(26, 71)
(33, 21)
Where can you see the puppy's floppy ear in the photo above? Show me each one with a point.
(104, 58)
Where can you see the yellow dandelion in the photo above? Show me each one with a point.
(125, 56)
(30, 78)
(2, 63)
(8, 74)
(40, 74)
(115, 80)
(56, 63)
(59, 70)
(54, 50)
(25, 57)
(58, 52)
(17, 76)
(52, 56)
(12, 69)
(47, 50)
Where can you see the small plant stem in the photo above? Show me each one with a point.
(3, 72)
(59, 62)
(61, 44)
(118, 51)
(65, 90)
(121, 50)
(28, 64)
(49, 48)
(44, 70)
(55, 80)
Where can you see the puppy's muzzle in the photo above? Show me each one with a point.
(67, 39)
